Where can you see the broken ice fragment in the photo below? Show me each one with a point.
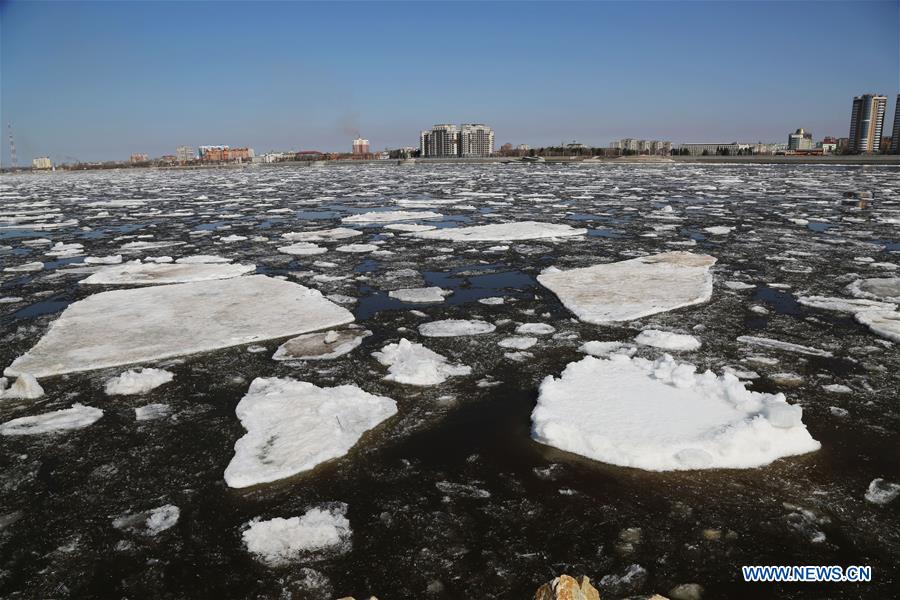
(77, 417)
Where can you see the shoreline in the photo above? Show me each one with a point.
(850, 160)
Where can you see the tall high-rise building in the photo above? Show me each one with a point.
(895, 134)
(866, 122)
(360, 146)
(441, 141)
(475, 140)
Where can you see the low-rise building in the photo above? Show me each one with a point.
(800, 140)
(138, 157)
(360, 146)
(184, 154)
(724, 149)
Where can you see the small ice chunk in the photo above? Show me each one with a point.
(114, 259)
(202, 258)
(535, 329)
(882, 492)
(149, 412)
(303, 249)
(425, 295)
(281, 541)
(719, 229)
(455, 327)
(322, 235)
(77, 417)
(492, 301)
(595, 348)
(667, 340)
(26, 387)
(357, 248)
(162, 518)
(321, 346)
(137, 381)
(292, 426)
(518, 342)
(414, 364)
(837, 388)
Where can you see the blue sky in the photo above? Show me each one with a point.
(102, 80)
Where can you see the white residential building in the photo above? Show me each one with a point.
(475, 140)
(448, 141)
(41, 163)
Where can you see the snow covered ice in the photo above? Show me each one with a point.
(144, 324)
(280, 541)
(326, 345)
(634, 288)
(414, 364)
(455, 328)
(502, 232)
(292, 426)
(76, 417)
(667, 340)
(137, 381)
(663, 416)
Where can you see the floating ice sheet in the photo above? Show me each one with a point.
(635, 288)
(455, 327)
(281, 541)
(391, 216)
(324, 345)
(661, 416)
(137, 381)
(885, 323)
(135, 273)
(145, 324)
(77, 417)
(499, 232)
(292, 426)
(414, 364)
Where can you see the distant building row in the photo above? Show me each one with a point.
(641, 146)
(470, 140)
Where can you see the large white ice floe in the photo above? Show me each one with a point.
(391, 216)
(849, 305)
(145, 324)
(667, 340)
(428, 295)
(635, 288)
(883, 288)
(455, 328)
(292, 426)
(661, 415)
(77, 417)
(303, 249)
(137, 381)
(324, 345)
(499, 232)
(784, 346)
(414, 364)
(281, 541)
(885, 323)
(322, 235)
(136, 273)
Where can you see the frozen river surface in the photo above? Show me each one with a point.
(404, 466)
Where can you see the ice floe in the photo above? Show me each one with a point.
(455, 328)
(885, 323)
(535, 329)
(137, 381)
(849, 305)
(667, 340)
(149, 522)
(292, 426)
(882, 492)
(153, 411)
(884, 288)
(499, 232)
(325, 345)
(77, 417)
(631, 289)
(518, 342)
(136, 273)
(322, 235)
(414, 364)
(661, 415)
(426, 295)
(784, 346)
(391, 216)
(25, 268)
(303, 249)
(25, 387)
(282, 541)
(145, 324)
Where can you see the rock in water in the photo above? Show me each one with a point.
(631, 289)
(565, 587)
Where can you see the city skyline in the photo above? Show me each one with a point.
(102, 81)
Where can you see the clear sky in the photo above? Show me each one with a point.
(102, 80)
